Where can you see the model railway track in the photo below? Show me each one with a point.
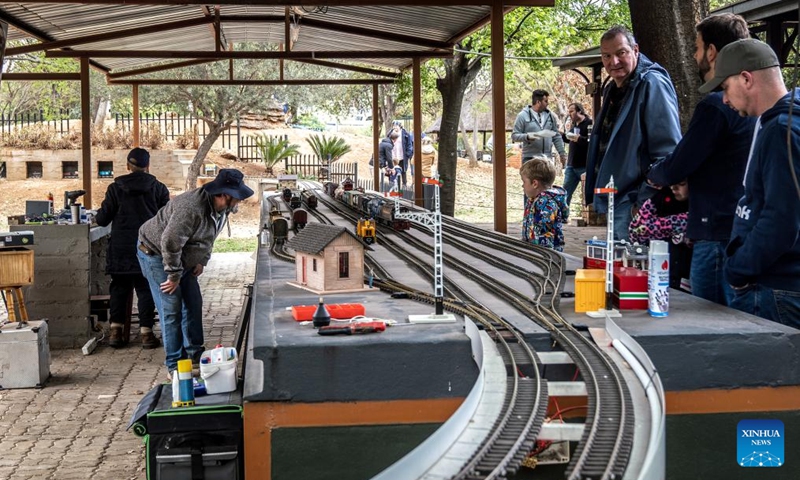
(605, 446)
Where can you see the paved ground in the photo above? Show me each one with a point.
(74, 428)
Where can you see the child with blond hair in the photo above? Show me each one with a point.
(545, 207)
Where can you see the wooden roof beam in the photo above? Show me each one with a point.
(351, 68)
(201, 81)
(130, 32)
(157, 68)
(203, 54)
(330, 3)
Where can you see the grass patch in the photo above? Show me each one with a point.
(241, 244)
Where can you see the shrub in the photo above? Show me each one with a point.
(274, 149)
(111, 138)
(324, 147)
(151, 137)
(189, 139)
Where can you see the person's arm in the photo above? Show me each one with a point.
(519, 134)
(558, 141)
(706, 130)
(660, 122)
(644, 222)
(775, 231)
(108, 209)
(163, 195)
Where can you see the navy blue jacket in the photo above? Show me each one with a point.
(130, 201)
(646, 130)
(764, 246)
(712, 156)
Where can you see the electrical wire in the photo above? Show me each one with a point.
(515, 57)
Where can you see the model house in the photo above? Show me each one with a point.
(328, 258)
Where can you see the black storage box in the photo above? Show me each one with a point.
(204, 442)
(16, 239)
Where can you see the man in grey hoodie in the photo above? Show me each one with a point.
(174, 247)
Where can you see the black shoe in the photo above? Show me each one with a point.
(115, 339)
(149, 341)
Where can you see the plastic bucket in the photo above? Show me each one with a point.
(219, 376)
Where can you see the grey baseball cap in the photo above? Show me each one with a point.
(742, 55)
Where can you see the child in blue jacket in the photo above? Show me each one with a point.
(546, 205)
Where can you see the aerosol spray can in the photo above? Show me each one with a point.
(658, 279)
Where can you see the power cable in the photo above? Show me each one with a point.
(791, 107)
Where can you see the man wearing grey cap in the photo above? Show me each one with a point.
(130, 201)
(174, 248)
(763, 264)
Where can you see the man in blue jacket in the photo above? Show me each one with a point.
(637, 126)
(763, 265)
(712, 156)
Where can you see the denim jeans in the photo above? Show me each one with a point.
(180, 313)
(782, 306)
(572, 178)
(622, 218)
(706, 276)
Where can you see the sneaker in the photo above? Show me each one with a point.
(115, 337)
(150, 341)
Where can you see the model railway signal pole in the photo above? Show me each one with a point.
(433, 222)
(610, 190)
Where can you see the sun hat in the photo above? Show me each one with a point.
(139, 157)
(742, 55)
(231, 182)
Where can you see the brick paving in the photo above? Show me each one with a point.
(74, 428)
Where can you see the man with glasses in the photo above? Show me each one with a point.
(174, 248)
(637, 126)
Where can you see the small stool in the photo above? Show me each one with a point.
(8, 293)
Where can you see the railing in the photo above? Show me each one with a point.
(61, 124)
(172, 126)
(310, 166)
(248, 150)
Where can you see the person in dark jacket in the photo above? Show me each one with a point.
(637, 126)
(763, 264)
(385, 153)
(130, 201)
(404, 150)
(712, 155)
(578, 139)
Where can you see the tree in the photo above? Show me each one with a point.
(218, 106)
(672, 22)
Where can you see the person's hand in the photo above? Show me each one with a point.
(563, 157)
(169, 286)
(572, 137)
(583, 177)
(198, 270)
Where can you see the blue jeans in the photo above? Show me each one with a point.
(572, 178)
(180, 313)
(706, 276)
(782, 306)
(622, 217)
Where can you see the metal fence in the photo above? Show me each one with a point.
(172, 126)
(248, 149)
(61, 123)
(311, 166)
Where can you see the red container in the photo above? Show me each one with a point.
(339, 311)
(630, 288)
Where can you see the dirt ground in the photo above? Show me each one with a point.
(474, 193)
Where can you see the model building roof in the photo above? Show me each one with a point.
(316, 236)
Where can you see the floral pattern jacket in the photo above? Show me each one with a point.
(544, 217)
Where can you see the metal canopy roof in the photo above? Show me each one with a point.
(417, 28)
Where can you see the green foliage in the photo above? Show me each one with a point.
(235, 244)
(274, 149)
(323, 147)
(310, 122)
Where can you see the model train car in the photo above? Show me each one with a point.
(278, 226)
(299, 218)
(309, 199)
(365, 230)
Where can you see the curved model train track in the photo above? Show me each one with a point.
(605, 446)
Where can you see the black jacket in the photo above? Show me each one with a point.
(130, 201)
(385, 153)
(712, 155)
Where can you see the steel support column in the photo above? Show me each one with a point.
(376, 138)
